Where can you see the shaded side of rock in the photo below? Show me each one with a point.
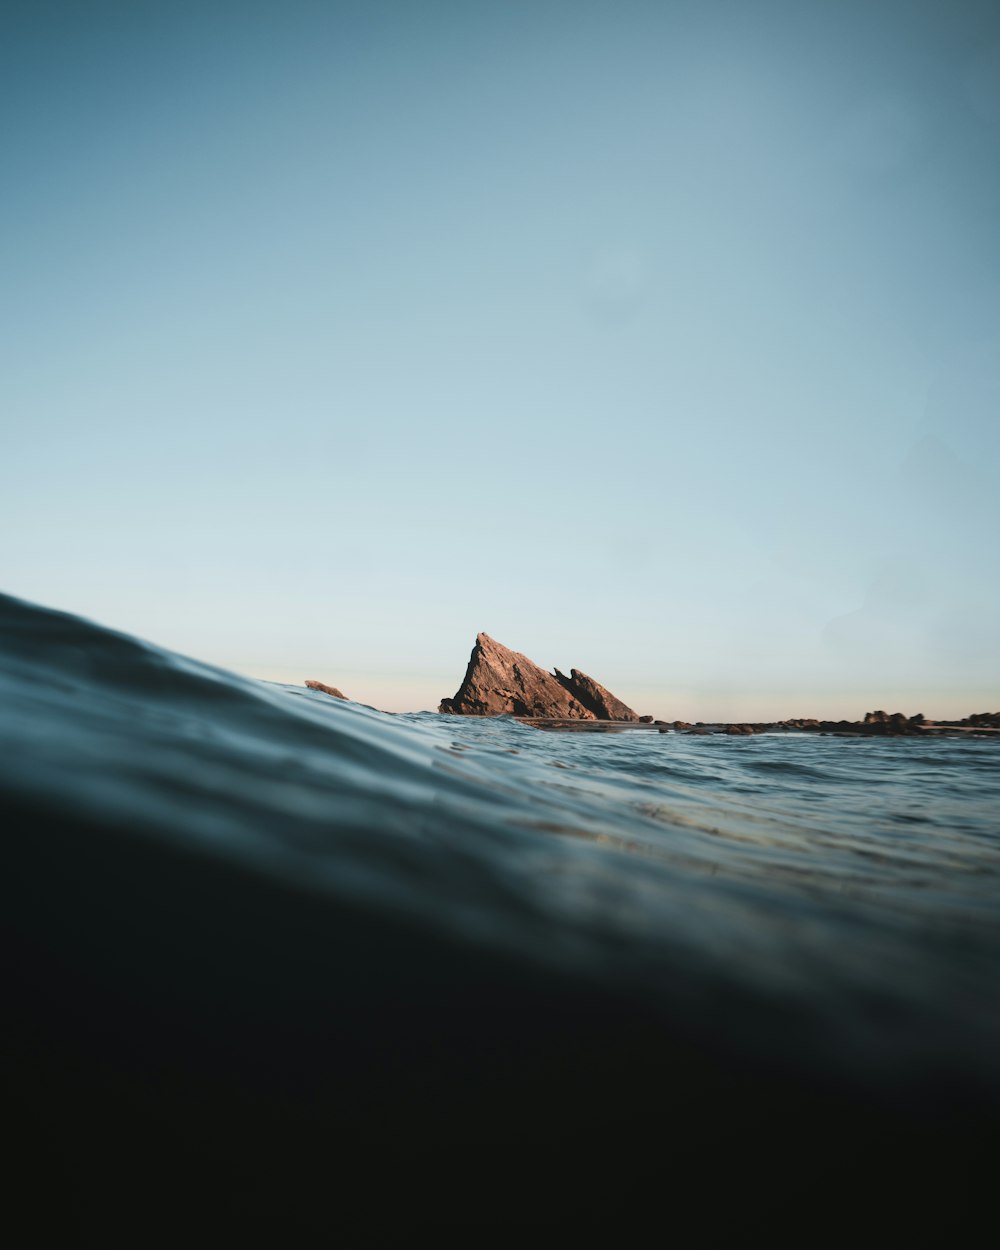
(501, 682)
(330, 690)
(594, 696)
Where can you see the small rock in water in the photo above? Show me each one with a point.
(330, 690)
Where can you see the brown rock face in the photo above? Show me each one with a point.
(330, 690)
(499, 681)
(592, 695)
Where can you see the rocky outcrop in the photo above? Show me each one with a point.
(894, 723)
(593, 695)
(501, 682)
(330, 690)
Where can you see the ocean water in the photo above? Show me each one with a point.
(308, 966)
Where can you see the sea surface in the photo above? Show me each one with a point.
(259, 915)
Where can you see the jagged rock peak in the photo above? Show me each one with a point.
(499, 681)
(592, 694)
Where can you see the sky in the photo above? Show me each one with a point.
(661, 340)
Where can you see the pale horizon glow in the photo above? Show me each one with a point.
(662, 341)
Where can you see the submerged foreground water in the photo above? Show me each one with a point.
(277, 962)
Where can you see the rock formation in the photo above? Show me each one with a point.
(330, 690)
(592, 695)
(500, 681)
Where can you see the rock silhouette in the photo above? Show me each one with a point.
(499, 681)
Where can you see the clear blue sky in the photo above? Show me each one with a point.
(658, 339)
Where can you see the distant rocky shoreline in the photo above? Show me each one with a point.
(877, 724)
(502, 682)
